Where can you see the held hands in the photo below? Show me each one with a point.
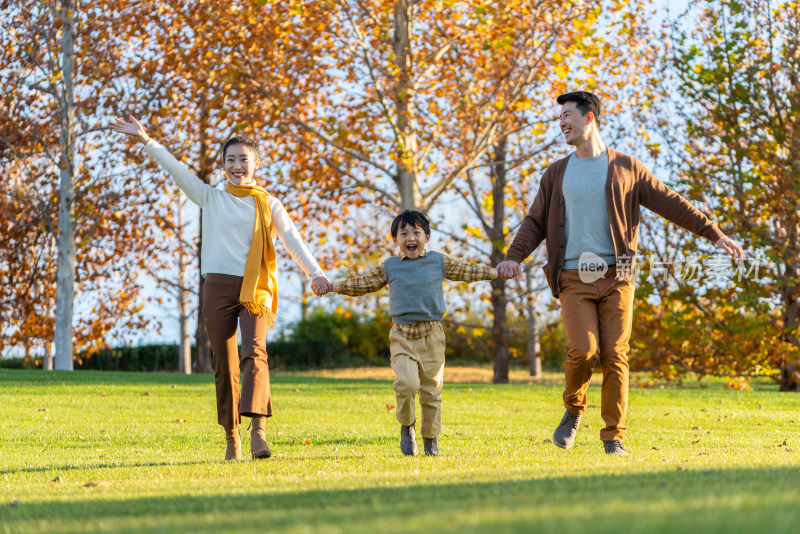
(730, 246)
(508, 269)
(321, 286)
(131, 127)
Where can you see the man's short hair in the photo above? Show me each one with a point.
(585, 102)
(411, 218)
(240, 140)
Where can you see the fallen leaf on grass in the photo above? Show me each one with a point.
(548, 440)
(174, 386)
(587, 426)
(58, 479)
(44, 409)
(308, 442)
(389, 407)
(102, 393)
(180, 420)
(296, 390)
(694, 442)
(95, 484)
(681, 468)
(654, 448)
(148, 394)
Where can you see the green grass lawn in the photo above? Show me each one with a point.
(703, 460)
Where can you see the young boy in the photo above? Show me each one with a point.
(416, 304)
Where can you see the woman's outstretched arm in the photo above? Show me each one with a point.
(194, 188)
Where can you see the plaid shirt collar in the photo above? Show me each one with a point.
(422, 254)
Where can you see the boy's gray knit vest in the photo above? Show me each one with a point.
(415, 288)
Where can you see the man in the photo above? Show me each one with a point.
(587, 209)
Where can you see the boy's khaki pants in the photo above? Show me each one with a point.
(418, 365)
(597, 320)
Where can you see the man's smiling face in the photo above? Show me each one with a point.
(574, 125)
(411, 240)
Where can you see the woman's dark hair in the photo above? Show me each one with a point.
(412, 219)
(585, 102)
(240, 140)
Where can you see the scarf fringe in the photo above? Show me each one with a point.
(260, 310)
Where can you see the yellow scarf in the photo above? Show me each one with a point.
(261, 270)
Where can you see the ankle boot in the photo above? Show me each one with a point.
(258, 438)
(234, 449)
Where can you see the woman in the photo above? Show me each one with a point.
(239, 266)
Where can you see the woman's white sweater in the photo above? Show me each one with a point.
(228, 221)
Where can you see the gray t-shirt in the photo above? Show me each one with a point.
(586, 225)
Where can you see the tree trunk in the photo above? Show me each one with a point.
(406, 177)
(790, 370)
(535, 363)
(185, 348)
(303, 300)
(202, 342)
(502, 358)
(65, 274)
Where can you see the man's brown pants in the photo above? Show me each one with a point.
(222, 314)
(597, 320)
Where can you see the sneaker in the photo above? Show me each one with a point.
(408, 440)
(615, 447)
(431, 449)
(564, 436)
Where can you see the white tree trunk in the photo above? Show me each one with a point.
(185, 349)
(406, 178)
(65, 275)
(533, 335)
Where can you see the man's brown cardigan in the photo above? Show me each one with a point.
(629, 185)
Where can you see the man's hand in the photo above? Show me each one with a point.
(508, 269)
(130, 127)
(321, 286)
(730, 246)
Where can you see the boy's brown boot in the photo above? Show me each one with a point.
(258, 438)
(234, 449)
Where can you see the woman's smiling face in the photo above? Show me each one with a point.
(240, 164)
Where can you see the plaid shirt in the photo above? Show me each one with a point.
(459, 271)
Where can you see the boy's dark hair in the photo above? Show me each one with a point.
(240, 140)
(585, 101)
(412, 219)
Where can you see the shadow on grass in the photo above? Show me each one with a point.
(115, 465)
(735, 500)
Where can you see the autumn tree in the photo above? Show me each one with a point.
(582, 47)
(735, 142)
(190, 92)
(59, 61)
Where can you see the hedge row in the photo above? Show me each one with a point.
(331, 339)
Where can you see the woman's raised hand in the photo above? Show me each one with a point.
(130, 127)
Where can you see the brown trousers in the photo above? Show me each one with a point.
(222, 314)
(597, 320)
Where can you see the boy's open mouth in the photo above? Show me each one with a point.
(411, 247)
